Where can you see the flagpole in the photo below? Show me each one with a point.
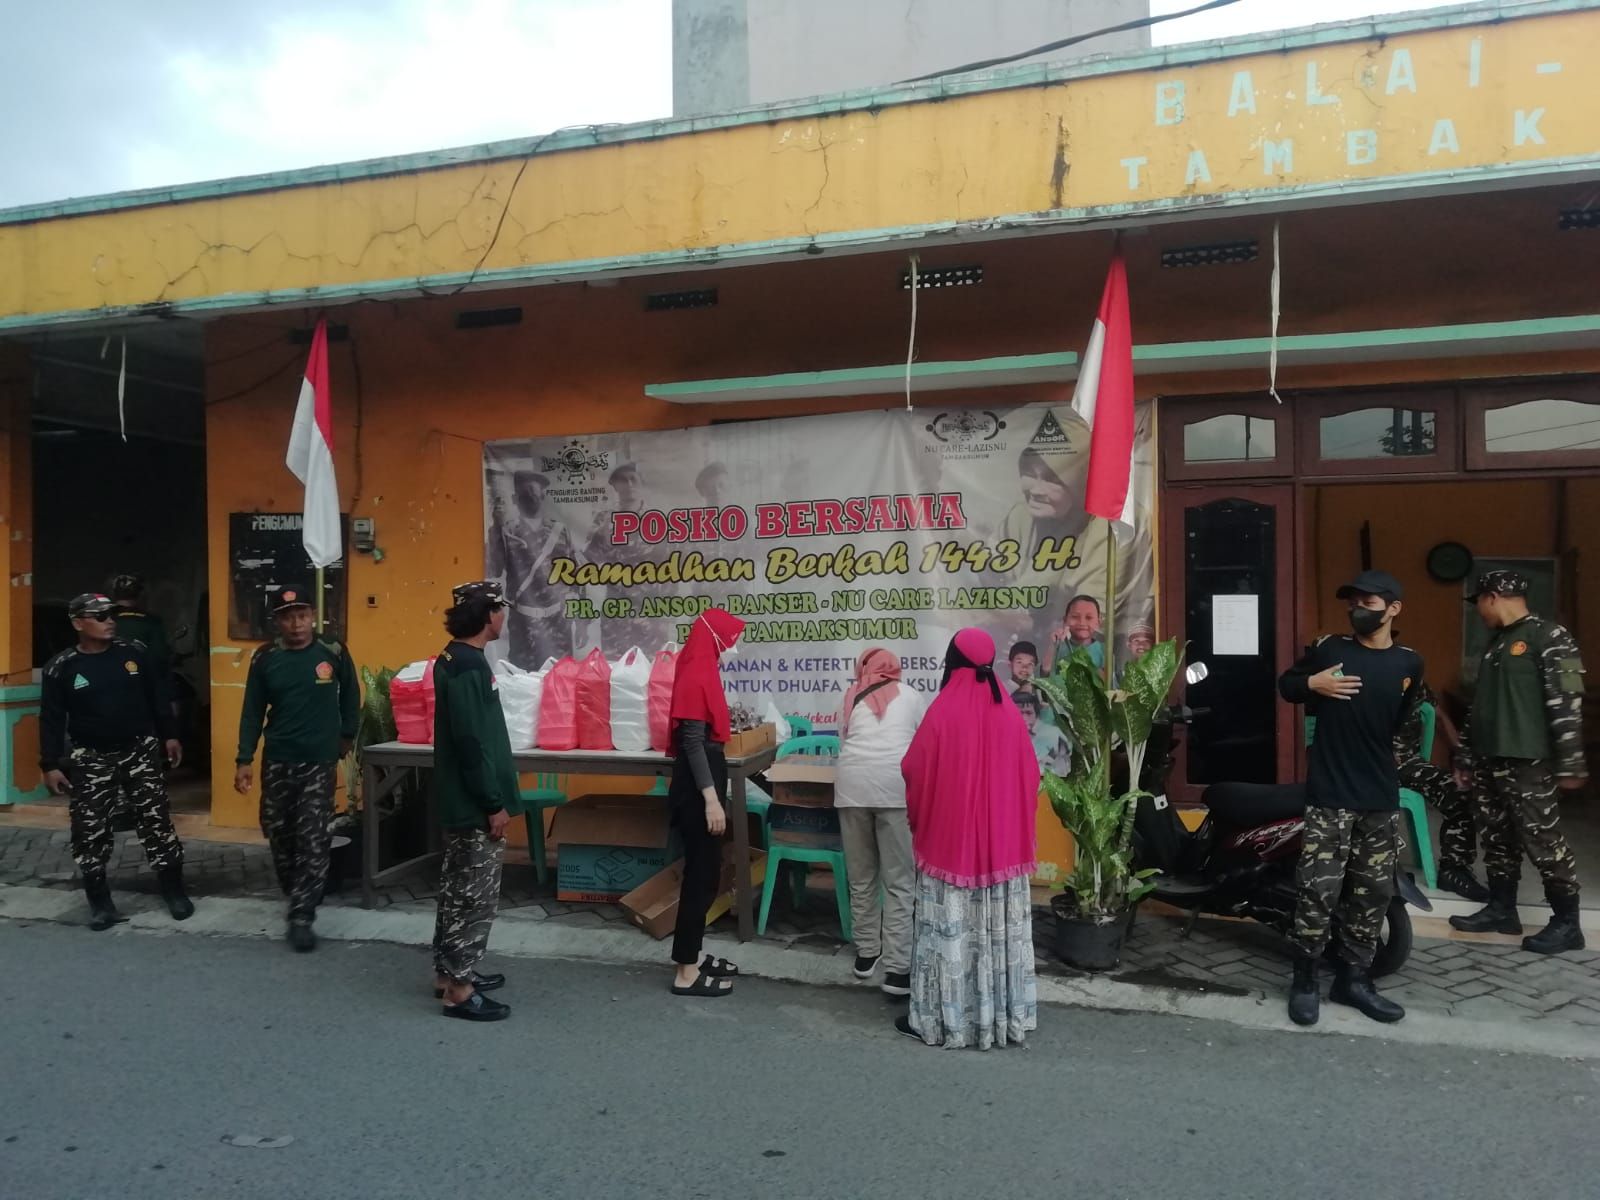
(1110, 623)
(319, 600)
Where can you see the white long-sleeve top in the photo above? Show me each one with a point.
(870, 753)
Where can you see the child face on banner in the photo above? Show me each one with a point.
(1141, 641)
(1083, 621)
(1023, 666)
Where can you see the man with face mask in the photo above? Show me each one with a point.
(1361, 688)
(522, 546)
(1522, 747)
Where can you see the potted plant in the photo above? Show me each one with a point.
(1095, 907)
(376, 725)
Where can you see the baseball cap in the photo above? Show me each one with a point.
(485, 589)
(1372, 583)
(1501, 583)
(293, 596)
(89, 604)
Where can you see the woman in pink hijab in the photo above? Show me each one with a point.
(972, 788)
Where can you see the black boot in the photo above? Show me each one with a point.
(1458, 879)
(1563, 933)
(1305, 1001)
(103, 913)
(178, 902)
(1498, 916)
(1354, 986)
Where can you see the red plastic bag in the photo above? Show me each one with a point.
(558, 707)
(411, 700)
(658, 698)
(594, 702)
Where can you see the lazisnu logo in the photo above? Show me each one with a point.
(575, 463)
(966, 425)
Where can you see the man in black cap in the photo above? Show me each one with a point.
(136, 623)
(1523, 746)
(303, 686)
(475, 789)
(1361, 688)
(107, 697)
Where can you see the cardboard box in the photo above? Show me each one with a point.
(803, 825)
(608, 845)
(751, 741)
(803, 781)
(653, 905)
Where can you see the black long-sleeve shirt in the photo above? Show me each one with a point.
(1353, 755)
(692, 738)
(106, 700)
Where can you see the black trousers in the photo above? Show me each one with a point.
(702, 853)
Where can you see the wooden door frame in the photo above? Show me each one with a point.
(1291, 559)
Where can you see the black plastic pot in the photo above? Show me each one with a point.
(1085, 943)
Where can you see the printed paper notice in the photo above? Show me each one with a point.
(1236, 625)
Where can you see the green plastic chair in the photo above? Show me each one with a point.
(1413, 804)
(817, 745)
(546, 792)
(804, 856)
(798, 726)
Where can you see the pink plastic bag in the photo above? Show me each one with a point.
(558, 707)
(594, 702)
(411, 700)
(658, 698)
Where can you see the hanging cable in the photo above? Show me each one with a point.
(1277, 294)
(911, 346)
(1125, 27)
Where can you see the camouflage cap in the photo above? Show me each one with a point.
(1501, 583)
(292, 596)
(89, 604)
(484, 589)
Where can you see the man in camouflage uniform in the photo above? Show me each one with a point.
(1523, 747)
(475, 789)
(1458, 842)
(303, 686)
(105, 695)
(1362, 690)
(522, 546)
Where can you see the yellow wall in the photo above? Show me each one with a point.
(1435, 102)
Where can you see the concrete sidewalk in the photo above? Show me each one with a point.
(1485, 992)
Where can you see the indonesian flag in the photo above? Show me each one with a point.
(1104, 399)
(310, 456)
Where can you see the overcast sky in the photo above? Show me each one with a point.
(107, 95)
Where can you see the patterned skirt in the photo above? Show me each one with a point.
(972, 981)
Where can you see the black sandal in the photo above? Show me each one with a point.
(703, 985)
(719, 968)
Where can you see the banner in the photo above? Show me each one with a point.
(827, 534)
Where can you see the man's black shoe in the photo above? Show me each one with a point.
(480, 983)
(1354, 986)
(103, 912)
(1461, 881)
(301, 936)
(1563, 933)
(865, 965)
(1498, 916)
(1305, 1001)
(178, 902)
(478, 1007)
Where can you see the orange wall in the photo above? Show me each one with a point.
(1497, 518)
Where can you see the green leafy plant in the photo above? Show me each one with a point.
(376, 725)
(1099, 718)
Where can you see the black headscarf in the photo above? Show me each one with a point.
(954, 660)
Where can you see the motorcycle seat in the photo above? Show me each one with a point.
(1243, 805)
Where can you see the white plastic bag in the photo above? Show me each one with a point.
(520, 692)
(630, 688)
(775, 718)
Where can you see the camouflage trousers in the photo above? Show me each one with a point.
(469, 897)
(1345, 877)
(100, 778)
(1517, 802)
(296, 805)
(1458, 839)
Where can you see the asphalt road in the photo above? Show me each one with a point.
(130, 1063)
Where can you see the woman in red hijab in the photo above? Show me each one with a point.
(972, 789)
(700, 730)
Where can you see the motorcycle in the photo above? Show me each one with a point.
(1240, 862)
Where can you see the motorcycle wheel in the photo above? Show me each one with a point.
(1394, 946)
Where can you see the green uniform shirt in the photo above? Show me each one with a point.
(473, 774)
(309, 699)
(135, 625)
(1529, 703)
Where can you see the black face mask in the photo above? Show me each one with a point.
(1367, 621)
